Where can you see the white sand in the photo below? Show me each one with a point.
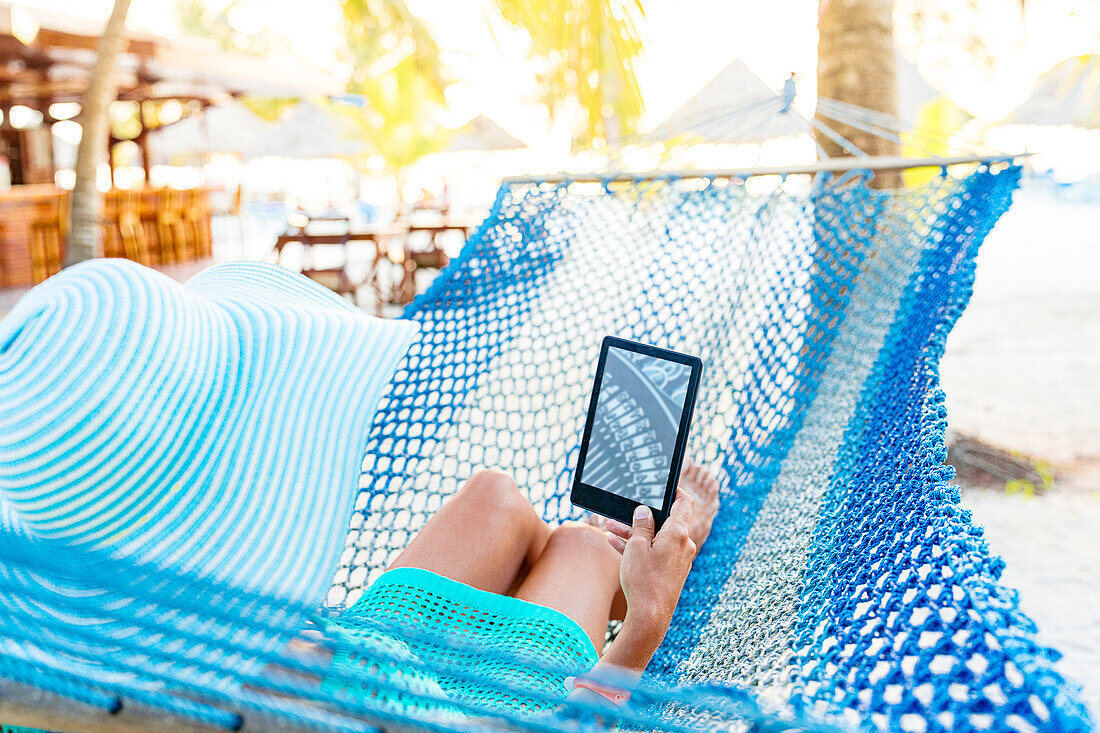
(1051, 548)
(1022, 368)
(1022, 372)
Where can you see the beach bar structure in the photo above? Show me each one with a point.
(45, 61)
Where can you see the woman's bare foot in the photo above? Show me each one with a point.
(703, 487)
(698, 481)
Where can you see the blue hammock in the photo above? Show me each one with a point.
(842, 585)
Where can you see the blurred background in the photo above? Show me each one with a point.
(362, 141)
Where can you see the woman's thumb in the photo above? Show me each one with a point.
(643, 524)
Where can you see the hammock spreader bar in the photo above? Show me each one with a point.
(832, 165)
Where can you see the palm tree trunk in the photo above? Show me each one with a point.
(83, 240)
(856, 64)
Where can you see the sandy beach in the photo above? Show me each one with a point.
(1022, 374)
(1051, 557)
(1022, 368)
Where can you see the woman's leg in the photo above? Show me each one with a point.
(487, 535)
(577, 574)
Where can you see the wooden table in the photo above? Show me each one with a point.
(339, 279)
(369, 235)
(408, 257)
(432, 257)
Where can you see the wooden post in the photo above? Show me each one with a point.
(142, 141)
(112, 141)
(95, 119)
(856, 64)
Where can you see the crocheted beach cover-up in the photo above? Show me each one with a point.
(475, 642)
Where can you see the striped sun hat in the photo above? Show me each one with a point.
(214, 428)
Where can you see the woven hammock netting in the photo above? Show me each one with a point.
(842, 584)
(841, 574)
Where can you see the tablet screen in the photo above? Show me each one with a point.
(638, 411)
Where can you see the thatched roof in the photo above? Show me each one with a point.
(306, 131)
(1068, 94)
(914, 91)
(712, 115)
(481, 133)
(54, 65)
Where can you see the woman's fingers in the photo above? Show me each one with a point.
(678, 525)
(682, 508)
(618, 528)
(617, 542)
(644, 526)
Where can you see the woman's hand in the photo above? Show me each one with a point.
(654, 568)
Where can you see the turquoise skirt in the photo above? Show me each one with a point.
(474, 643)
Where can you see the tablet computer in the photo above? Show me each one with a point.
(637, 426)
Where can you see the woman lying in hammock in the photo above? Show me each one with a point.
(487, 573)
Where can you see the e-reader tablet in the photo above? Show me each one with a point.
(637, 426)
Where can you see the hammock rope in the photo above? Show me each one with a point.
(842, 585)
(815, 312)
(742, 121)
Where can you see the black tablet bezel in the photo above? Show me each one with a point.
(612, 505)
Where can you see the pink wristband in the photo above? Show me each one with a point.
(616, 695)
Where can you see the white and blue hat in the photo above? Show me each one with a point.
(214, 428)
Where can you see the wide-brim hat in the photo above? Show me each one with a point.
(213, 429)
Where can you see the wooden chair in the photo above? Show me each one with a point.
(47, 234)
(131, 230)
(335, 278)
(428, 255)
(175, 244)
(196, 221)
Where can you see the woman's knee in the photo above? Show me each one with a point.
(493, 490)
(585, 541)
